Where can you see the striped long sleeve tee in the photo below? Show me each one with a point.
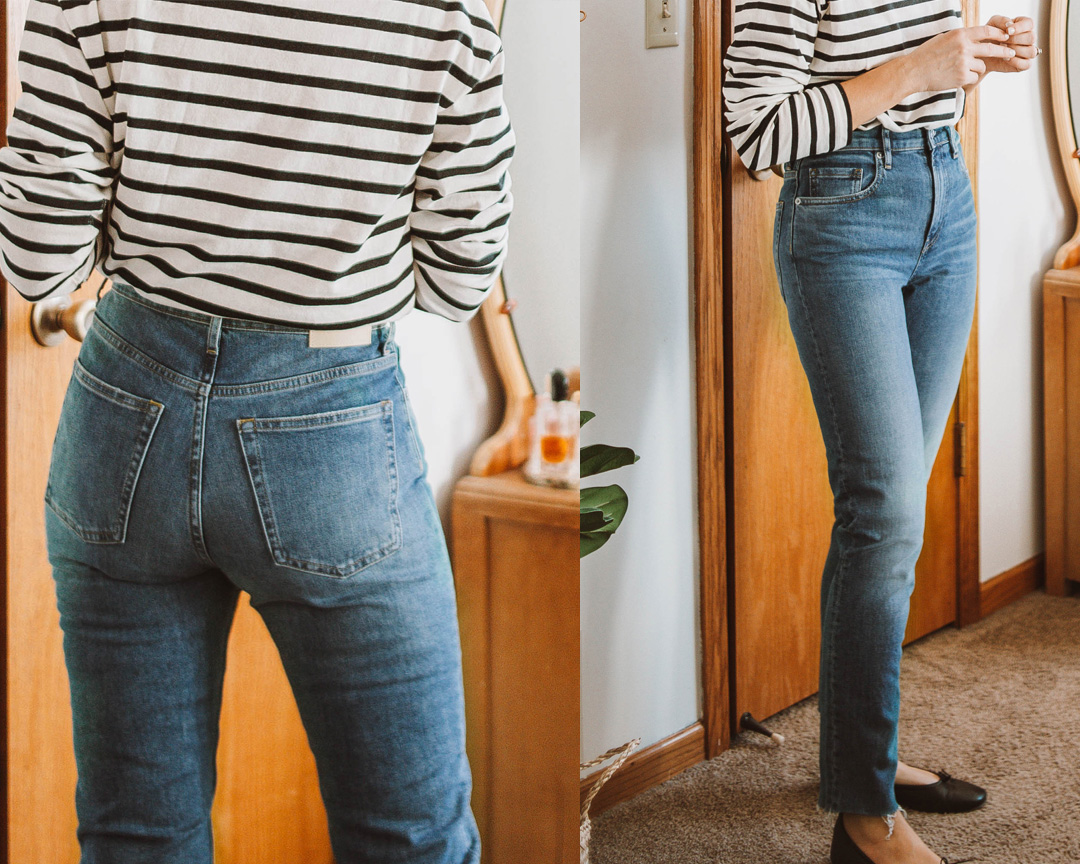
(326, 163)
(782, 72)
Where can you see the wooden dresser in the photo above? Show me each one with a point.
(515, 554)
(1061, 426)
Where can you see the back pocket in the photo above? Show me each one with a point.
(97, 456)
(326, 487)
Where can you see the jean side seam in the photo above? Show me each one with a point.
(832, 744)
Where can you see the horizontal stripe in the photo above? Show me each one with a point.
(783, 69)
(284, 161)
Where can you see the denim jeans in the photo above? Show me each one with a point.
(199, 456)
(874, 247)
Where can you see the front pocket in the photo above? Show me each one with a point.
(841, 176)
(326, 487)
(97, 456)
(833, 182)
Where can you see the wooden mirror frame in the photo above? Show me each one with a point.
(1069, 254)
(508, 447)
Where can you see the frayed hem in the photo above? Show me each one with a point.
(889, 820)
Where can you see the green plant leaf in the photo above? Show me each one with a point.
(597, 458)
(611, 500)
(592, 542)
(593, 519)
(585, 417)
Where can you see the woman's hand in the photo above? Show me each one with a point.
(960, 57)
(1021, 39)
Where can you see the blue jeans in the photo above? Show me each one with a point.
(199, 456)
(874, 247)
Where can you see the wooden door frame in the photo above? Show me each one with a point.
(713, 157)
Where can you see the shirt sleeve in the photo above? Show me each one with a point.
(56, 171)
(463, 201)
(773, 114)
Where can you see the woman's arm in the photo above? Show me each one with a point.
(953, 59)
(773, 115)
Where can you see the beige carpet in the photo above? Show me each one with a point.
(997, 703)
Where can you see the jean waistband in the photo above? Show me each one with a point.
(926, 137)
(379, 332)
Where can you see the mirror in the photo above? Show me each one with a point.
(532, 317)
(1063, 54)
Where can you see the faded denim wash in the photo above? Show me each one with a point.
(199, 456)
(874, 247)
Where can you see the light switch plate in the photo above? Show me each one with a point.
(661, 23)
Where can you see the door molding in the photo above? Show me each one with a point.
(713, 156)
(709, 342)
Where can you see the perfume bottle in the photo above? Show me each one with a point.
(553, 435)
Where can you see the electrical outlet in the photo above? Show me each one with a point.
(661, 23)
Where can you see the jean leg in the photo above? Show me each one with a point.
(146, 664)
(940, 304)
(377, 678)
(851, 333)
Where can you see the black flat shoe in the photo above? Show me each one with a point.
(844, 850)
(947, 795)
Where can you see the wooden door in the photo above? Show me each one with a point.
(268, 809)
(779, 505)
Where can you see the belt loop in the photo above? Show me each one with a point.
(213, 335)
(954, 141)
(886, 145)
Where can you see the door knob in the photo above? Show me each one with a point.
(53, 318)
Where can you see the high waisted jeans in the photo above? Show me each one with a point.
(874, 246)
(198, 456)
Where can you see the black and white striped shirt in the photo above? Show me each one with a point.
(326, 163)
(782, 95)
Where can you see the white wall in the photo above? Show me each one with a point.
(543, 269)
(451, 377)
(639, 643)
(455, 394)
(1023, 218)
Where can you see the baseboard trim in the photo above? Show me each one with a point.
(1010, 586)
(649, 767)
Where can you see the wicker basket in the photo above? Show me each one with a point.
(619, 754)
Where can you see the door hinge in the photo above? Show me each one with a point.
(961, 449)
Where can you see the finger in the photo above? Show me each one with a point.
(1021, 39)
(1023, 24)
(1000, 21)
(1027, 52)
(980, 34)
(1019, 64)
(991, 49)
(978, 67)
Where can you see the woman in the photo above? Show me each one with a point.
(270, 186)
(874, 247)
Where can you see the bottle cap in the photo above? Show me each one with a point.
(560, 386)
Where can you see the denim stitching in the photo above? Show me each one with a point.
(198, 540)
(247, 428)
(130, 351)
(117, 532)
(362, 367)
(113, 393)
